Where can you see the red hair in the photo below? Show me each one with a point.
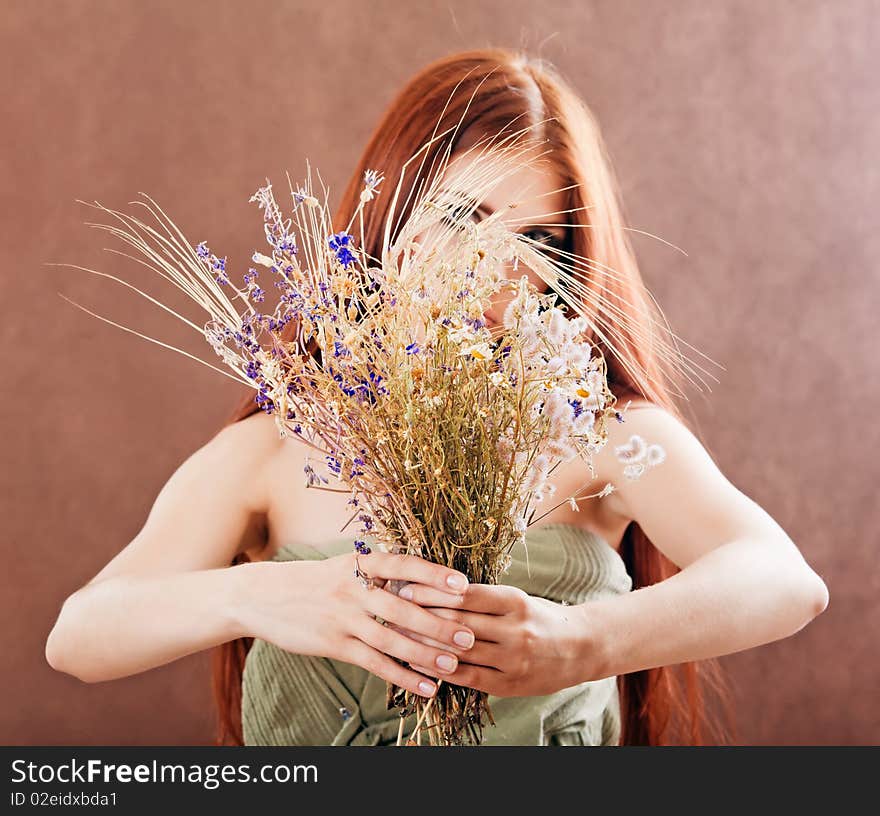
(492, 89)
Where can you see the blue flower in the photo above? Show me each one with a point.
(340, 244)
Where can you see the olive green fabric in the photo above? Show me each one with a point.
(291, 699)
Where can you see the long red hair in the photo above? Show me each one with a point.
(495, 89)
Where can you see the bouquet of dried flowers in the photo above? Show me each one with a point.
(444, 431)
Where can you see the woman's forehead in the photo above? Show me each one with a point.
(533, 186)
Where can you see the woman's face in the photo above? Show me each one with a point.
(531, 202)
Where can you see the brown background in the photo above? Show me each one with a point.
(743, 132)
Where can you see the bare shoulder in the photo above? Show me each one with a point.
(211, 508)
(654, 425)
(646, 419)
(679, 498)
(248, 448)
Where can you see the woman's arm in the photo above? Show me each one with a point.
(743, 582)
(131, 623)
(169, 593)
(739, 595)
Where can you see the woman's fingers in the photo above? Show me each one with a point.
(485, 598)
(482, 653)
(425, 670)
(383, 666)
(482, 678)
(412, 616)
(391, 642)
(483, 634)
(490, 655)
(401, 567)
(491, 628)
(422, 639)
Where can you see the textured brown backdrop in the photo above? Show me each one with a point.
(743, 132)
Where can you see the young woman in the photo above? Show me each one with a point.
(610, 635)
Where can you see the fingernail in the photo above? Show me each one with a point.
(426, 688)
(464, 639)
(406, 593)
(457, 581)
(445, 662)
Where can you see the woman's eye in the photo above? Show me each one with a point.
(548, 239)
(458, 214)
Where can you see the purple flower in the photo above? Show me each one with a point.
(264, 401)
(216, 263)
(287, 243)
(340, 244)
(252, 369)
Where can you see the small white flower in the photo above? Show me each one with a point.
(461, 334)
(259, 258)
(555, 365)
(372, 180)
(556, 325)
(479, 351)
(655, 455)
(634, 471)
(633, 451)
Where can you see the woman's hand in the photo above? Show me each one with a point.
(526, 645)
(321, 608)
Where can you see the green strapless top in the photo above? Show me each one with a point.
(292, 699)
